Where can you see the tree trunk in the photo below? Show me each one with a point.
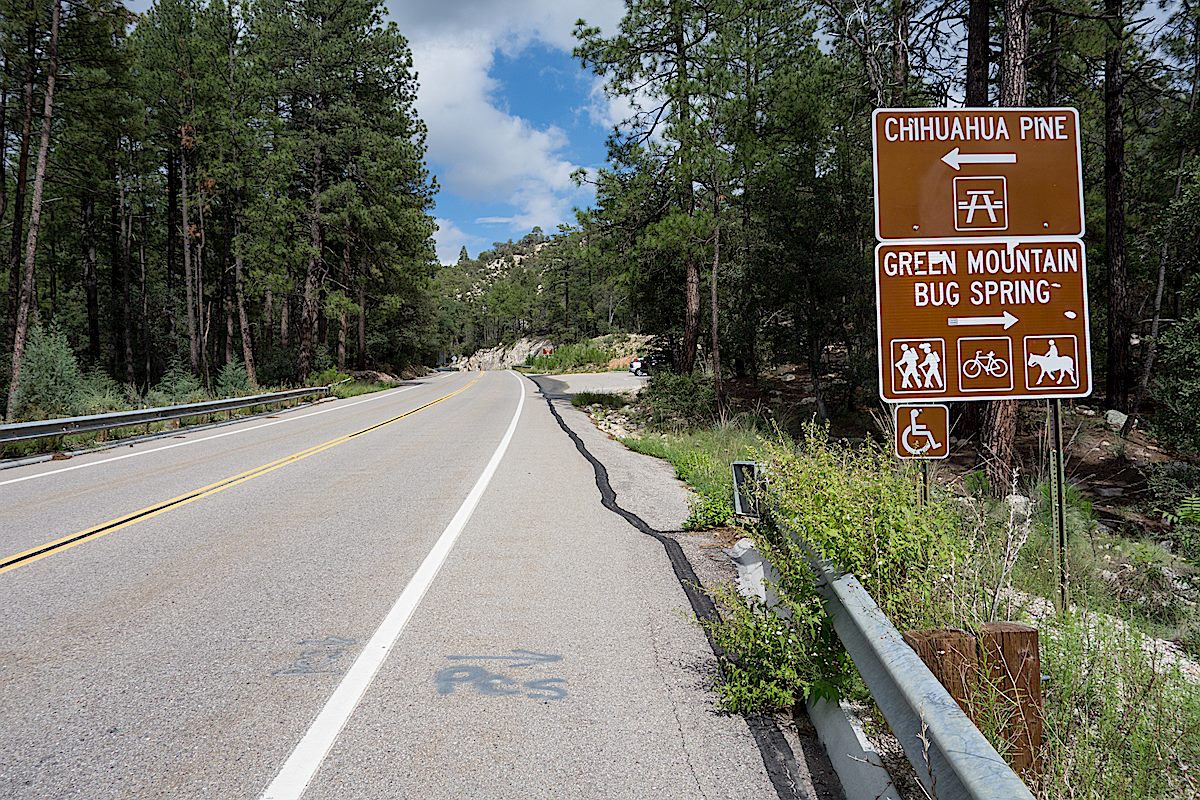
(145, 297)
(362, 323)
(718, 383)
(978, 52)
(53, 267)
(1000, 416)
(35, 214)
(341, 334)
(284, 313)
(126, 337)
(683, 110)
(901, 23)
(203, 310)
(1013, 73)
(189, 278)
(240, 289)
(173, 240)
(1052, 72)
(87, 231)
(268, 323)
(308, 315)
(19, 193)
(1120, 322)
(4, 139)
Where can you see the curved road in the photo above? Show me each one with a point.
(415, 593)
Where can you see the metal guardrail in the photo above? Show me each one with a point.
(38, 429)
(951, 757)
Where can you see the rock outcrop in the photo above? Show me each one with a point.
(503, 356)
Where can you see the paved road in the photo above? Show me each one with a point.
(412, 594)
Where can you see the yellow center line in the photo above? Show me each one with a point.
(104, 528)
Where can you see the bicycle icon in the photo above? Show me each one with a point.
(985, 365)
(990, 369)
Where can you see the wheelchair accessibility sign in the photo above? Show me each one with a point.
(922, 431)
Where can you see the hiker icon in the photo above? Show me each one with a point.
(920, 364)
(917, 438)
(1048, 368)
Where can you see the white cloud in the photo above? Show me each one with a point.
(482, 152)
(450, 239)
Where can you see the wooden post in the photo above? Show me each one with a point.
(951, 656)
(1010, 658)
(997, 671)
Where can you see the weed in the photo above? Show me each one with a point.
(768, 660)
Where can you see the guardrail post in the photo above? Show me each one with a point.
(1009, 653)
(995, 674)
(951, 656)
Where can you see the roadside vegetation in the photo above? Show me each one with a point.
(579, 357)
(1121, 697)
(606, 400)
(54, 385)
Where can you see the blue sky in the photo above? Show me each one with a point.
(510, 113)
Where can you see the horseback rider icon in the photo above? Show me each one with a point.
(1052, 364)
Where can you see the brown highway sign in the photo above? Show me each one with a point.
(922, 431)
(982, 320)
(977, 172)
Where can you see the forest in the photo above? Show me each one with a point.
(227, 184)
(735, 221)
(207, 187)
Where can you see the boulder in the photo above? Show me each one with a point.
(1115, 419)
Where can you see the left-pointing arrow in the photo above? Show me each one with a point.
(954, 159)
(1007, 320)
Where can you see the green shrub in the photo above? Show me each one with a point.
(327, 377)
(1119, 721)
(1178, 385)
(854, 507)
(178, 385)
(572, 358)
(610, 400)
(52, 384)
(977, 484)
(233, 380)
(702, 459)
(679, 402)
(101, 394)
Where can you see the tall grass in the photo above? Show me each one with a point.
(702, 459)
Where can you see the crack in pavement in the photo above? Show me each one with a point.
(658, 664)
(778, 757)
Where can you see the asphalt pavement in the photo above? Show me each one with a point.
(412, 594)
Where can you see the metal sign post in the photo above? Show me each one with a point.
(1058, 503)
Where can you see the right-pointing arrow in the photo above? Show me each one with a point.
(1007, 320)
(954, 159)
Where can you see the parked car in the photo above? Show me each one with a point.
(650, 363)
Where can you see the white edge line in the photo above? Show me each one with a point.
(337, 407)
(293, 778)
